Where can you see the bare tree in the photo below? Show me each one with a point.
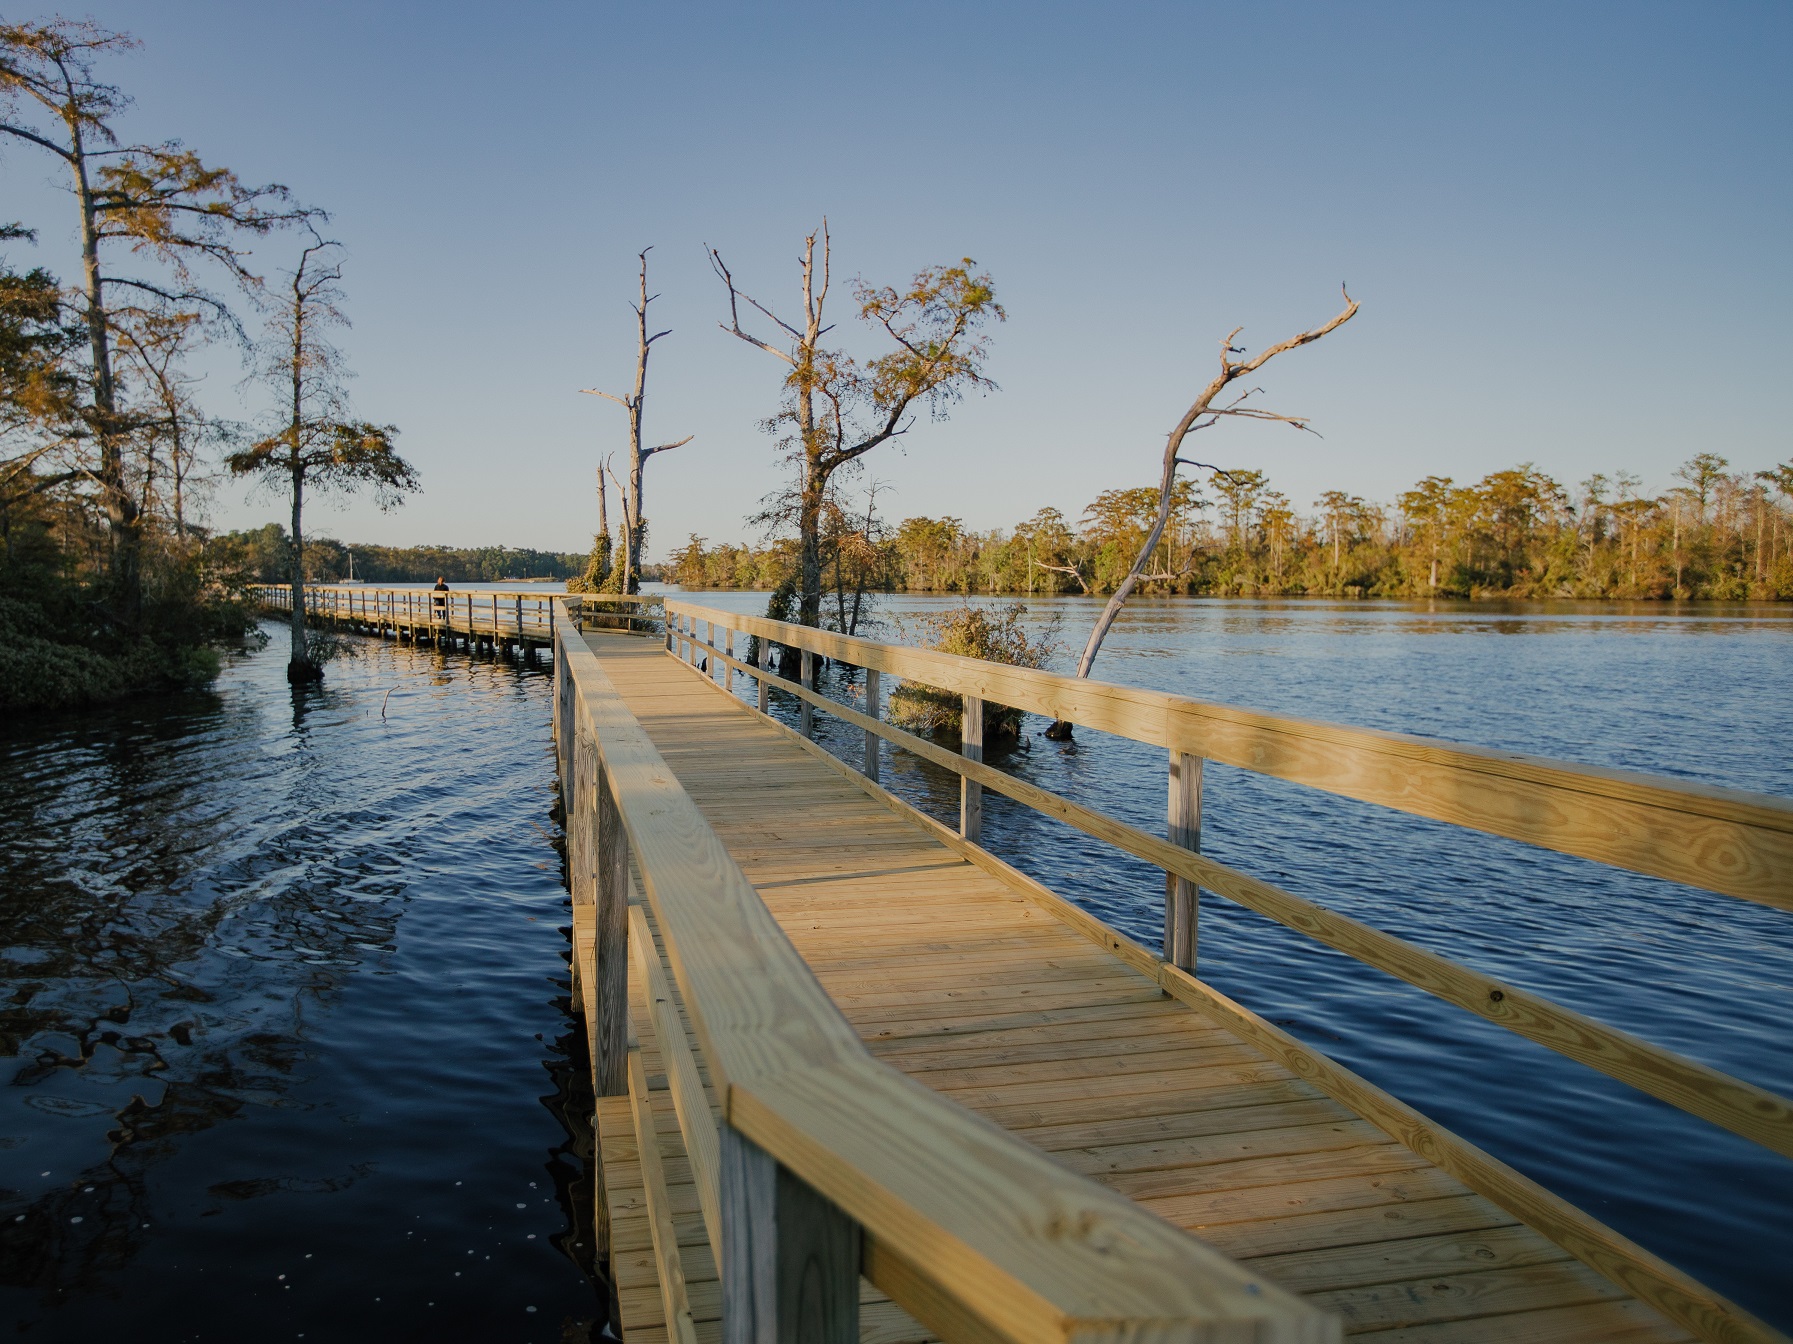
(159, 200)
(316, 446)
(835, 410)
(153, 344)
(1202, 414)
(634, 519)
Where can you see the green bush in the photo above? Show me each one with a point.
(994, 634)
(58, 650)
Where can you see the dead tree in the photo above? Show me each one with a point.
(1202, 414)
(834, 409)
(634, 520)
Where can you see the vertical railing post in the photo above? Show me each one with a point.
(872, 710)
(806, 716)
(728, 673)
(971, 793)
(1184, 828)
(610, 1052)
(765, 691)
(790, 1258)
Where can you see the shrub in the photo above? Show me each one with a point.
(994, 634)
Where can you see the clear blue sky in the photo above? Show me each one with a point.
(1568, 224)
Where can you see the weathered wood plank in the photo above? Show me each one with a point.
(668, 1266)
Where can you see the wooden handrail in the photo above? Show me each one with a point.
(1739, 1106)
(972, 1231)
(1723, 840)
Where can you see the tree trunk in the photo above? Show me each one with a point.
(123, 517)
(299, 667)
(637, 530)
(809, 524)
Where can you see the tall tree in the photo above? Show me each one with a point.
(634, 518)
(1202, 414)
(317, 448)
(160, 201)
(836, 410)
(1426, 508)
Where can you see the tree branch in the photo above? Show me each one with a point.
(666, 447)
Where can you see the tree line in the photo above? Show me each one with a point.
(264, 555)
(1715, 533)
(106, 451)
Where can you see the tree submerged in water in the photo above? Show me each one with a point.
(316, 447)
(994, 634)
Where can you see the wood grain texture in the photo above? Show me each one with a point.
(1650, 1278)
(1725, 840)
(790, 1267)
(668, 1265)
(610, 980)
(696, 1124)
(873, 710)
(1183, 827)
(971, 747)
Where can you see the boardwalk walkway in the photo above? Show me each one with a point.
(960, 979)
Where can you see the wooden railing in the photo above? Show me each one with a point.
(828, 1162)
(1726, 841)
(517, 616)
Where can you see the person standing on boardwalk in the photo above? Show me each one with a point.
(441, 599)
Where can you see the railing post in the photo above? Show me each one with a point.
(765, 691)
(610, 1052)
(727, 677)
(873, 708)
(971, 793)
(790, 1259)
(1184, 827)
(806, 717)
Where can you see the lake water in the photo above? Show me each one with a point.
(285, 973)
(285, 1014)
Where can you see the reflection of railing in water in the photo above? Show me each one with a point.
(1725, 841)
(496, 619)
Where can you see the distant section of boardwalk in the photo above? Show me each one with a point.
(519, 621)
(977, 985)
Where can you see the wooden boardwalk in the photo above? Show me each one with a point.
(967, 982)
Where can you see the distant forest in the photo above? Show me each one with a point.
(260, 556)
(1518, 533)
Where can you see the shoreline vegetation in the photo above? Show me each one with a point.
(262, 555)
(1717, 535)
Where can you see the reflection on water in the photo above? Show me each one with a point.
(284, 997)
(1704, 692)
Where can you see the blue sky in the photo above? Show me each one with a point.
(1568, 225)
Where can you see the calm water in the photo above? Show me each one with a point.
(285, 1014)
(1703, 693)
(284, 980)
